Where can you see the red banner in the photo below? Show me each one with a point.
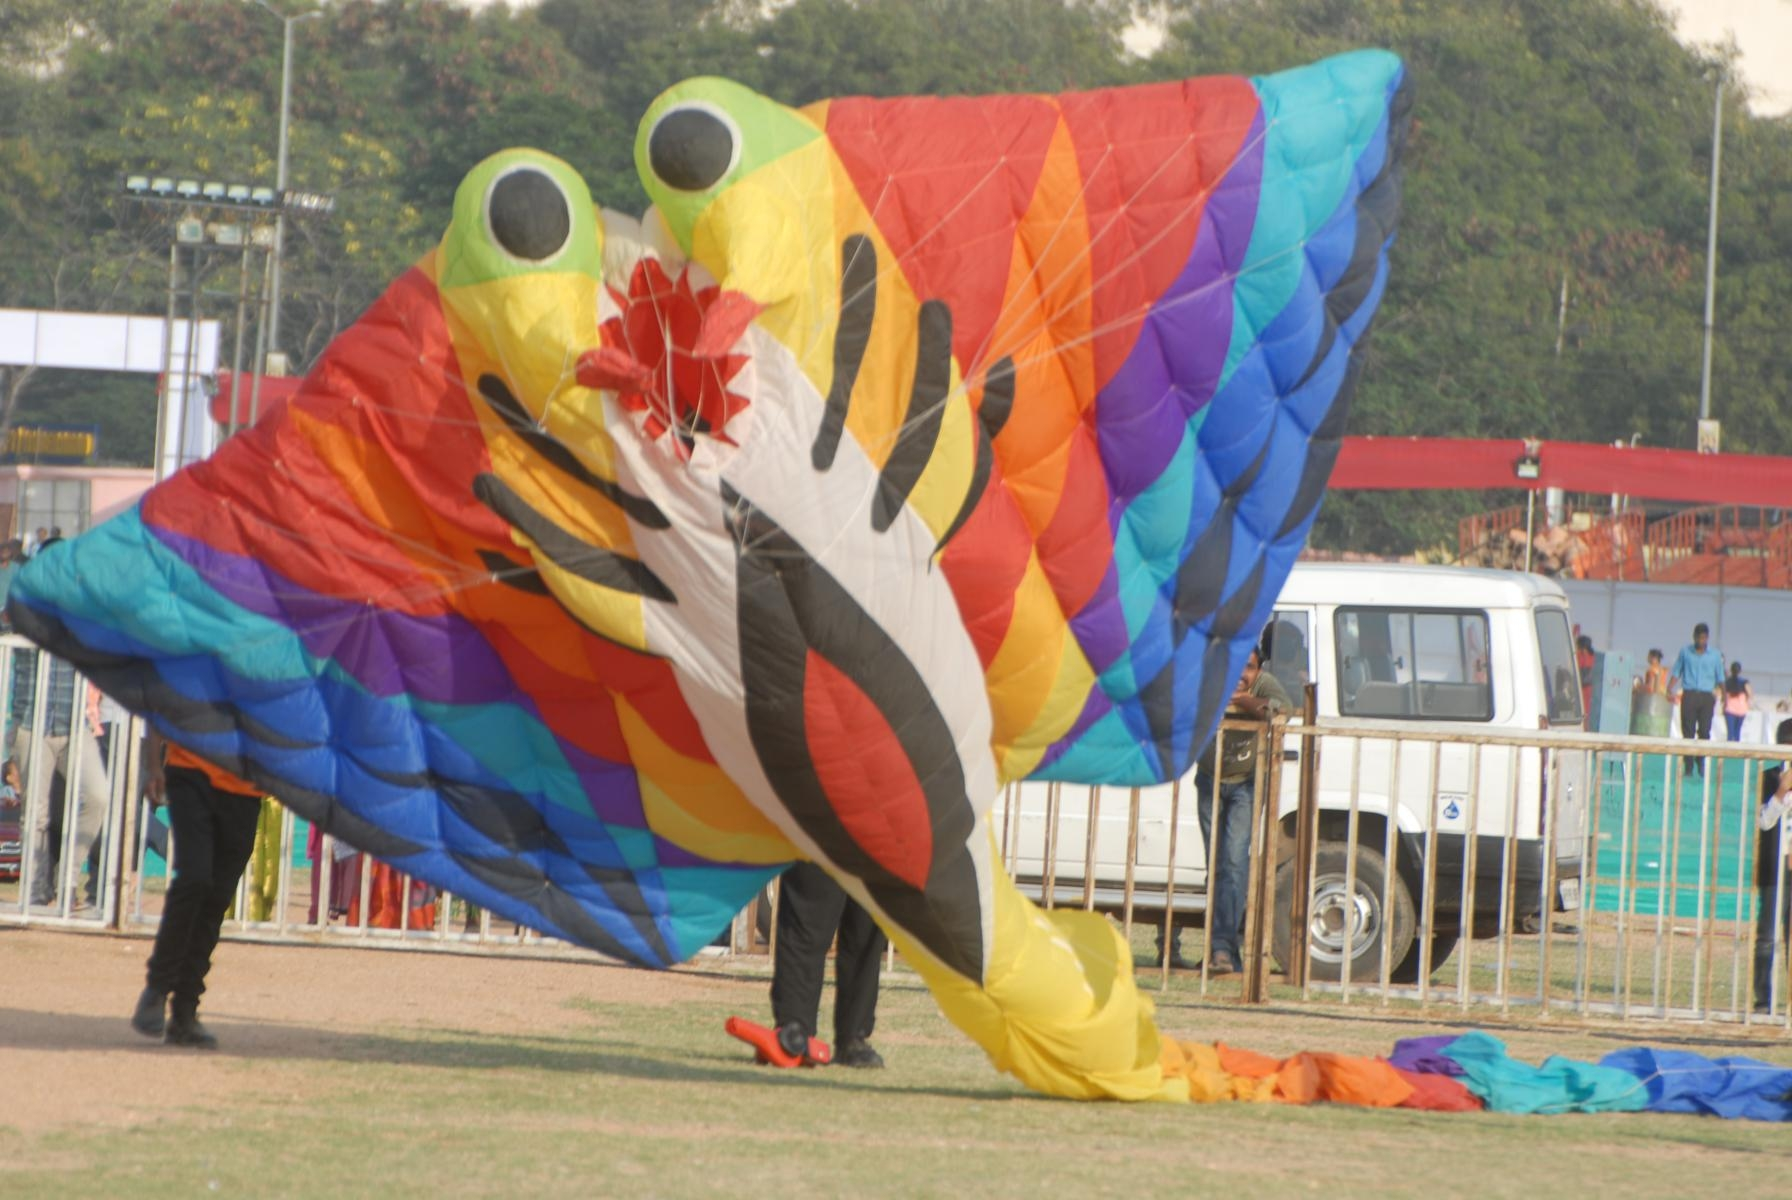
(1384, 463)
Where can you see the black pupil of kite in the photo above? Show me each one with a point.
(529, 215)
(690, 149)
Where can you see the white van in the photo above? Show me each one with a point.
(1476, 649)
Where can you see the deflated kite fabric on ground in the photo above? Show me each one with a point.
(1471, 1071)
(903, 448)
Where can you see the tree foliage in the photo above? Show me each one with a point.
(1548, 280)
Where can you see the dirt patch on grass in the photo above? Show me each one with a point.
(69, 1056)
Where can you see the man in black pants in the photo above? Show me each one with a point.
(811, 909)
(212, 815)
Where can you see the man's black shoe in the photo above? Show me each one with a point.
(858, 1053)
(150, 1017)
(793, 1039)
(184, 1029)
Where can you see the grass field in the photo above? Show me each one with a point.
(360, 1072)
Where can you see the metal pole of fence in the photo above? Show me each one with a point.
(1260, 879)
(1626, 849)
(1509, 887)
(1210, 848)
(1094, 824)
(1627, 875)
(1471, 847)
(366, 894)
(1391, 870)
(1168, 944)
(120, 824)
(1744, 827)
(1663, 930)
(283, 888)
(1698, 916)
(74, 755)
(8, 662)
(1673, 835)
(771, 942)
(1049, 894)
(1302, 933)
(1590, 818)
(324, 885)
(1429, 923)
(1306, 838)
(1132, 860)
(35, 762)
(1777, 963)
(1347, 967)
(1546, 898)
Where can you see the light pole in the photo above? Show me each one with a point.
(286, 22)
(1717, 157)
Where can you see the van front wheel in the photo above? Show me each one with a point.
(1339, 918)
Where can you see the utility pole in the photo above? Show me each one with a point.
(286, 23)
(1717, 156)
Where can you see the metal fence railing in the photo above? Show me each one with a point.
(1400, 864)
(1442, 866)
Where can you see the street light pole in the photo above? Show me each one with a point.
(286, 22)
(1717, 156)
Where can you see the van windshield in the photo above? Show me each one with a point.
(1561, 678)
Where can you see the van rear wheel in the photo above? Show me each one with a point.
(1443, 944)
(1339, 918)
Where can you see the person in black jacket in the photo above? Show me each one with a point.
(1770, 855)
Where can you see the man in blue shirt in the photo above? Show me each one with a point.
(1698, 678)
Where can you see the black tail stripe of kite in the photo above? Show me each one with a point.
(926, 408)
(514, 574)
(595, 564)
(974, 493)
(639, 509)
(516, 826)
(858, 308)
(998, 400)
(559, 909)
(998, 397)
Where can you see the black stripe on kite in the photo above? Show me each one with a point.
(858, 308)
(595, 564)
(514, 574)
(998, 397)
(920, 430)
(639, 509)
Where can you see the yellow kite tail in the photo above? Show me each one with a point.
(1059, 1008)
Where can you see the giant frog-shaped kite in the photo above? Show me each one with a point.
(904, 449)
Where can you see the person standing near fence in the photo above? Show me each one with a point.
(1259, 695)
(1698, 679)
(213, 815)
(1737, 698)
(1770, 855)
